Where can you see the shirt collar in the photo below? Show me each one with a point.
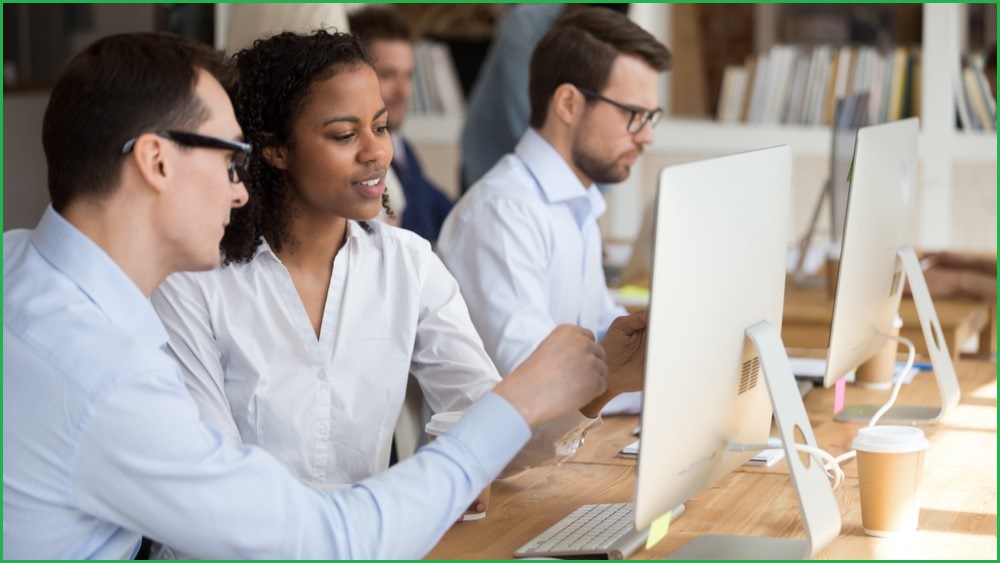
(556, 179)
(98, 276)
(354, 231)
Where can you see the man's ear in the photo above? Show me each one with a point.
(567, 103)
(152, 159)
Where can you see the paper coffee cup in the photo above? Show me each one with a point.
(439, 424)
(877, 372)
(890, 461)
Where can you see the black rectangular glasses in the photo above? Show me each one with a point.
(239, 164)
(638, 117)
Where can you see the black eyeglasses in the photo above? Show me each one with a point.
(638, 117)
(239, 164)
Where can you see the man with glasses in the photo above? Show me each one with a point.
(524, 243)
(102, 444)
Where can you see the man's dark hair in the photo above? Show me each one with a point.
(379, 23)
(275, 79)
(119, 87)
(581, 48)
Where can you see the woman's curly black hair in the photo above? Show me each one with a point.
(275, 74)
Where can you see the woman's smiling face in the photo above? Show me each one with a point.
(339, 148)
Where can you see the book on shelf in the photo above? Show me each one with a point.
(436, 88)
(755, 109)
(962, 104)
(987, 94)
(896, 86)
(750, 79)
(975, 103)
(979, 115)
(721, 111)
(797, 90)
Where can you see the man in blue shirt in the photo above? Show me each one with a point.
(102, 443)
(386, 34)
(524, 242)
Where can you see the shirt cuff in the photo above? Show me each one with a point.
(493, 431)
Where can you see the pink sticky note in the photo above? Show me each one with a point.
(839, 390)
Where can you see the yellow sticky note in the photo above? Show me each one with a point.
(634, 291)
(658, 530)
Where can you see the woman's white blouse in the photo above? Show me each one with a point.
(327, 407)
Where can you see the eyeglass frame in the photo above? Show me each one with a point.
(241, 151)
(647, 115)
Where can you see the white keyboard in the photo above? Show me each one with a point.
(595, 530)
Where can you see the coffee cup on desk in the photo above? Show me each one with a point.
(890, 462)
(877, 372)
(440, 424)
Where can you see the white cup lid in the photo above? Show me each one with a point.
(890, 439)
(442, 422)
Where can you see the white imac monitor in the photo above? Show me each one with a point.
(715, 363)
(875, 262)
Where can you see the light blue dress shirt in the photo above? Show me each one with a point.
(525, 247)
(102, 443)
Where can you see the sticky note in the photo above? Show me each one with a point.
(658, 530)
(634, 291)
(839, 390)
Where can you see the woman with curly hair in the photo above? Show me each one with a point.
(303, 340)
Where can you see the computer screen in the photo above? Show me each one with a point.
(870, 278)
(875, 261)
(718, 272)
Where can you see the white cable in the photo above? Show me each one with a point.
(910, 357)
(830, 464)
(836, 461)
(845, 456)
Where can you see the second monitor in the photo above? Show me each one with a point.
(715, 363)
(875, 262)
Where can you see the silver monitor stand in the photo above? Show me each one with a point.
(944, 370)
(819, 510)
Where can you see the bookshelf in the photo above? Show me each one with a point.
(957, 185)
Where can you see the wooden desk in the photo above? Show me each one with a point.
(958, 491)
(808, 311)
